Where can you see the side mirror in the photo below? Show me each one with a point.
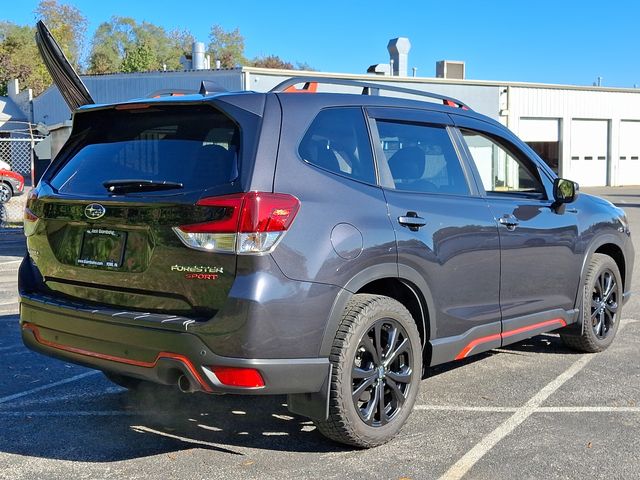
(564, 191)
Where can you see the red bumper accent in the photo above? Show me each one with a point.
(103, 356)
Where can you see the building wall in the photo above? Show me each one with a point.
(597, 129)
(590, 122)
(50, 108)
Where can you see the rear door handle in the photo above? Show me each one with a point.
(412, 220)
(509, 221)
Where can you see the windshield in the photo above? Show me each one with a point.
(195, 146)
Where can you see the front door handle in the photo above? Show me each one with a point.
(412, 220)
(509, 221)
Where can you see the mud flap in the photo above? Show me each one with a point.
(312, 405)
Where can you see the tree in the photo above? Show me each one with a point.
(271, 61)
(151, 46)
(19, 58)
(226, 46)
(180, 43)
(139, 58)
(67, 25)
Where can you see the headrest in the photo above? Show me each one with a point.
(407, 163)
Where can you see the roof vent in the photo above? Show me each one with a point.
(450, 69)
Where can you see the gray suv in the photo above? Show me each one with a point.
(327, 246)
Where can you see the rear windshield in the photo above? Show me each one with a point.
(196, 146)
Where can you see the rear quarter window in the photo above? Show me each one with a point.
(338, 141)
(196, 146)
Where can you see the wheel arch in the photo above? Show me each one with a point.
(399, 282)
(608, 245)
(8, 184)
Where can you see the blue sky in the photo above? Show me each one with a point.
(546, 41)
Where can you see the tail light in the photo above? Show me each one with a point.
(246, 223)
(29, 216)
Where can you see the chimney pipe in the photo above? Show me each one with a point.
(399, 52)
(197, 58)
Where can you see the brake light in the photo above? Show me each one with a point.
(245, 223)
(238, 377)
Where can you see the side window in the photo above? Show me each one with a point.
(502, 172)
(421, 158)
(338, 141)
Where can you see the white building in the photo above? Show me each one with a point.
(588, 134)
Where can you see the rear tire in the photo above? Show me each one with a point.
(5, 193)
(601, 307)
(377, 368)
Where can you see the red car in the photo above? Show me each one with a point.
(11, 183)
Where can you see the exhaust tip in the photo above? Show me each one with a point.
(185, 385)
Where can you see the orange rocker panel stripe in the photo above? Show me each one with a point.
(103, 356)
(509, 333)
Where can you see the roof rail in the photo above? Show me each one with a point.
(368, 88)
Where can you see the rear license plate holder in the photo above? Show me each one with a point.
(102, 247)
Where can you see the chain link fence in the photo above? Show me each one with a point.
(18, 154)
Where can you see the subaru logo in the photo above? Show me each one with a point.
(94, 211)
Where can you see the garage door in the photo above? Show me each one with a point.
(629, 164)
(543, 135)
(588, 164)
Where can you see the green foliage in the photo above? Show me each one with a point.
(138, 58)
(271, 61)
(226, 46)
(67, 25)
(152, 47)
(119, 45)
(19, 58)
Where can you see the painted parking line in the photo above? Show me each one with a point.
(193, 441)
(464, 408)
(473, 456)
(15, 396)
(10, 265)
(80, 413)
(11, 347)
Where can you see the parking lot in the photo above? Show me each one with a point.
(531, 410)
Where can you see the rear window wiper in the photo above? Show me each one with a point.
(135, 185)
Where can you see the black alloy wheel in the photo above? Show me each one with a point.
(381, 373)
(5, 192)
(601, 307)
(376, 360)
(604, 304)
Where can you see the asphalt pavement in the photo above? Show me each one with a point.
(530, 410)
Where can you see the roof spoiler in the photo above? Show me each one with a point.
(71, 88)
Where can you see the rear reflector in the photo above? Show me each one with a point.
(245, 223)
(238, 377)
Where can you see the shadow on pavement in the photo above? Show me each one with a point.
(95, 421)
(114, 425)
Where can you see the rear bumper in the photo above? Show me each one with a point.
(156, 355)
